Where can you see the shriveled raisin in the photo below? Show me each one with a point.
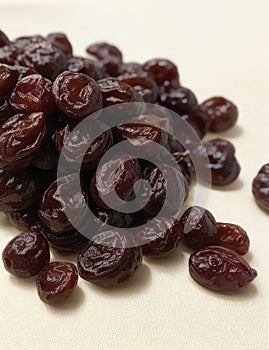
(109, 259)
(260, 187)
(20, 136)
(160, 237)
(56, 282)
(117, 175)
(103, 50)
(17, 190)
(26, 254)
(115, 92)
(8, 79)
(60, 202)
(32, 94)
(233, 237)
(223, 114)
(220, 269)
(76, 94)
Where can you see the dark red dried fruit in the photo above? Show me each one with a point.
(260, 187)
(8, 54)
(220, 269)
(68, 242)
(56, 282)
(160, 237)
(84, 65)
(165, 182)
(45, 58)
(17, 190)
(4, 40)
(32, 94)
(61, 41)
(145, 86)
(62, 201)
(76, 94)
(109, 259)
(103, 50)
(222, 113)
(131, 68)
(142, 132)
(233, 237)
(8, 79)
(111, 217)
(20, 136)
(180, 100)
(23, 42)
(46, 158)
(199, 228)
(24, 219)
(115, 92)
(118, 174)
(76, 144)
(163, 72)
(221, 161)
(26, 254)
(5, 112)
(198, 120)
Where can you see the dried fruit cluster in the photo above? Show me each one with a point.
(45, 92)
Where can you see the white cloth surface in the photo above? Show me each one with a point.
(221, 48)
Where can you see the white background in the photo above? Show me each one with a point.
(221, 47)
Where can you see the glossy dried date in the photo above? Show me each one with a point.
(220, 269)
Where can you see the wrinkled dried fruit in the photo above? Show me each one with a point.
(26, 254)
(233, 237)
(56, 282)
(109, 259)
(260, 187)
(220, 269)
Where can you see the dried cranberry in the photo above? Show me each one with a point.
(260, 187)
(220, 269)
(32, 94)
(26, 254)
(17, 190)
(222, 113)
(76, 94)
(56, 282)
(233, 237)
(199, 228)
(118, 174)
(109, 259)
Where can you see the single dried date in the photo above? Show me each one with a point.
(56, 282)
(109, 259)
(220, 269)
(26, 254)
